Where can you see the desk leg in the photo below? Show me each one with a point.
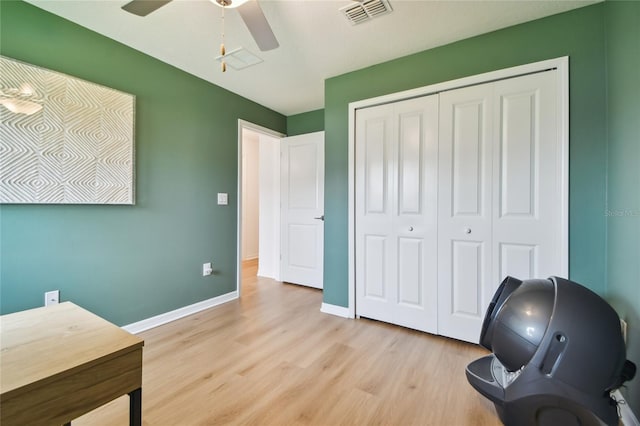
(135, 407)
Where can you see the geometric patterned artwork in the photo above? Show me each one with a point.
(63, 140)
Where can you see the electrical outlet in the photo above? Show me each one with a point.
(207, 269)
(52, 297)
(623, 328)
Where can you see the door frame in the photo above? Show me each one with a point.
(242, 125)
(561, 64)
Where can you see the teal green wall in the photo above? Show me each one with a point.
(306, 122)
(623, 185)
(128, 263)
(578, 34)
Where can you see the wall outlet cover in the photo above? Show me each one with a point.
(207, 269)
(52, 297)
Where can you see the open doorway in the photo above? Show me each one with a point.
(258, 201)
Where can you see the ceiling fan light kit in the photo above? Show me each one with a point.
(229, 4)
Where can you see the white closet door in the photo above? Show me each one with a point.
(499, 194)
(374, 212)
(396, 212)
(464, 220)
(526, 179)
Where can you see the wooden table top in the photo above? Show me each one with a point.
(44, 344)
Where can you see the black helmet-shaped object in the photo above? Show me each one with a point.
(557, 350)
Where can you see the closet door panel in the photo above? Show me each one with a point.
(416, 214)
(518, 260)
(467, 264)
(517, 155)
(527, 176)
(375, 258)
(464, 214)
(468, 139)
(396, 202)
(375, 166)
(410, 147)
(375, 240)
(410, 273)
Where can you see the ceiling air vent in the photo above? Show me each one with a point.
(358, 13)
(239, 58)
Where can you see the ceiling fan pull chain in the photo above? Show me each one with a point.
(222, 49)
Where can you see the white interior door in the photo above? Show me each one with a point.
(396, 239)
(499, 194)
(302, 197)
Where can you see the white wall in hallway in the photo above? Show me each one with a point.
(269, 206)
(250, 192)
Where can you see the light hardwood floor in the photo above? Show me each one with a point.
(272, 358)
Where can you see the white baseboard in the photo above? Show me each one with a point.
(335, 310)
(262, 274)
(626, 414)
(146, 324)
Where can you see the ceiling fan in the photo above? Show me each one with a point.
(250, 12)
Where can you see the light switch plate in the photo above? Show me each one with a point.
(223, 198)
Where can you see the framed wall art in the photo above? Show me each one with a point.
(63, 140)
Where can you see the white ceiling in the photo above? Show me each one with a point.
(316, 40)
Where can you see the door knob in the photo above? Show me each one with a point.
(467, 230)
(410, 228)
(320, 218)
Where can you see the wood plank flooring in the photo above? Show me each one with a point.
(272, 358)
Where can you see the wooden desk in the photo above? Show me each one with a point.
(59, 362)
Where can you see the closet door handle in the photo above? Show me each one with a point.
(320, 218)
(467, 230)
(410, 228)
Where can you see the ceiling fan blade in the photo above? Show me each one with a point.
(258, 26)
(144, 7)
